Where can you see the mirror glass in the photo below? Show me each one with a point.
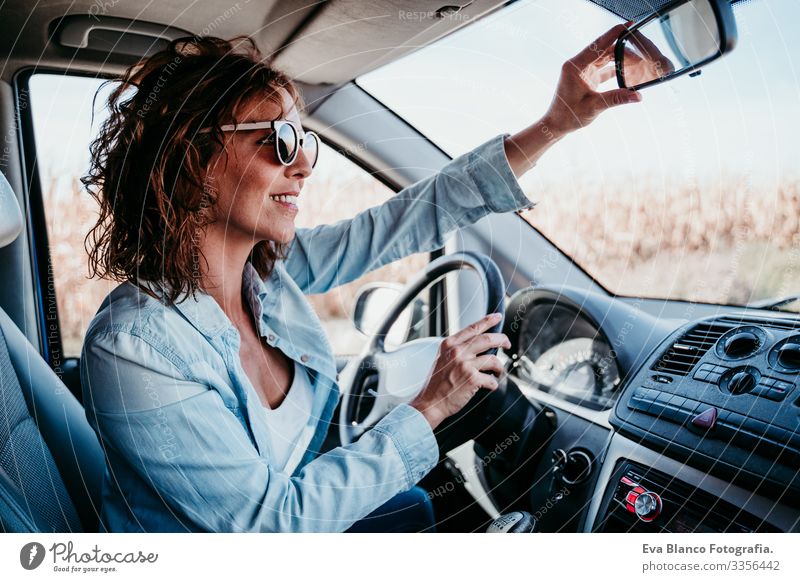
(671, 43)
(372, 306)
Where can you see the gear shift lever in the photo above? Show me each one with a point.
(514, 522)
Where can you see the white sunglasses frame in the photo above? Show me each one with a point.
(275, 126)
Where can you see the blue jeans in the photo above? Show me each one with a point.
(407, 512)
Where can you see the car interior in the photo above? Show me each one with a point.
(617, 413)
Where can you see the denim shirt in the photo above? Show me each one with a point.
(186, 441)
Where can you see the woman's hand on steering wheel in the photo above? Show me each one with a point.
(460, 370)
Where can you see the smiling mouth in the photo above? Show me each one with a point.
(286, 200)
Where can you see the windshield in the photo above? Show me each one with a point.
(692, 194)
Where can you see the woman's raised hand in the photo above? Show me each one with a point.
(577, 102)
(460, 371)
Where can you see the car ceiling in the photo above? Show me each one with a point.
(316, 42)
(329, 42)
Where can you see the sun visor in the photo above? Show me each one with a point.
(345, 39)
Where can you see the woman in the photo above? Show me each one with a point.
(206, 374)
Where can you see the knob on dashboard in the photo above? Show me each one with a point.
(638, 500)
(742, 382)
(785, 355)
(789, 356)
(741, 342)
(647, 506)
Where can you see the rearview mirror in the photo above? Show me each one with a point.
(677, 39)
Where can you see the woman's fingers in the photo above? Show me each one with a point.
(458, 373)
(602, 75)
(478, 345)
(601, 48)
(489, 364)
(473, 330)
(486, 381)
(650, 50)
(617, 97)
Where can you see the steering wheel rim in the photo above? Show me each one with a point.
(376, 381)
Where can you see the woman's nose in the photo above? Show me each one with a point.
(301, 167)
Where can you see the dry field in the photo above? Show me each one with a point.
(720, 243)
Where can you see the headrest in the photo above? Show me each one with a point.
(10, 215)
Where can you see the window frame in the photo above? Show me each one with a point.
(47, 317)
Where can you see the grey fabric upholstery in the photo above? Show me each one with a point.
(14, 517)
(25, 459)
(51, 464)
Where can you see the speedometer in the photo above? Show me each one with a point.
(562, 353)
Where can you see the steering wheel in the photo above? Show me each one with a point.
(376, 381)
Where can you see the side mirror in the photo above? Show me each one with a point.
(677, 39)
(373, 302)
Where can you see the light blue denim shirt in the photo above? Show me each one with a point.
(185, 436)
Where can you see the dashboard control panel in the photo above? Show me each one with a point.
(722, 394)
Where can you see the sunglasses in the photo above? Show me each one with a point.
(286, 139)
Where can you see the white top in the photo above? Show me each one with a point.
(288, 423)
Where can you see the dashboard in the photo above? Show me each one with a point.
(660, 423)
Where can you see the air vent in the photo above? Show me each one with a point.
(682, 356)
(784, 324)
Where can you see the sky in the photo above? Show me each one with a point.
(61, 107)
(741, 115)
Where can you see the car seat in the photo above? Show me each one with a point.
(51, 463)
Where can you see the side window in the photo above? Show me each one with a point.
(61, 107)
(339, 189)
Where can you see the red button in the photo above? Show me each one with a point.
(705, 419)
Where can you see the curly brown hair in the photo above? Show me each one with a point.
(148, 164)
